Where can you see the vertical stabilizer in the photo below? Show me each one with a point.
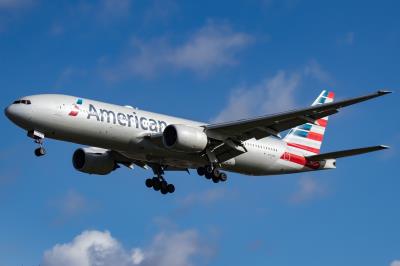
(307, 139)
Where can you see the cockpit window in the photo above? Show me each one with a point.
(22, 102)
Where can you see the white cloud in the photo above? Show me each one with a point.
(395, 263)
(104, 12)
(160, 10)
(15, 4)
(137, 256)
(93, 248)
(114, 8)
(56, 29)
(88, 249)
(71, 205)
(273, 94)
(308, 189)
(173, 249)
(270, 96)
(210, 47)
(69, 74)
(347, 39)
(10, 11)
(204, 197)
(314, 70)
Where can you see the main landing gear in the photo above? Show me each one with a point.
(38, 138)
(158, 183)
(211, 172)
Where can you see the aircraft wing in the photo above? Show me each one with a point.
(271, 125)
(345, 153)
(123, 159)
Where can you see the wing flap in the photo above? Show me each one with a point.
(345, 153)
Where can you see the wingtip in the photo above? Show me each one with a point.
(384, 147)
(383, 92)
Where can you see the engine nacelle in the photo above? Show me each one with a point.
(185, 138)
(90, 161)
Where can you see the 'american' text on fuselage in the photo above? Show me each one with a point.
(127, 120)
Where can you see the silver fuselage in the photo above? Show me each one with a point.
(123, 129)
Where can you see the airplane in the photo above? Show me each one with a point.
(116, 136)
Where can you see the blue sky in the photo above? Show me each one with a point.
(209, 61)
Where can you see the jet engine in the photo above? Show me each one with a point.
(93, 161)
(185, 138)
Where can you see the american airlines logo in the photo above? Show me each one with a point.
(133, 119)
(75, 108)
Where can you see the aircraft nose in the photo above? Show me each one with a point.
(15, 113)
(9, 112)
(20, 112)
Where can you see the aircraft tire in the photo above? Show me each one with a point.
(164, 190)
(215, 179)
(40, 152)
(156, 184)
(171, 188)
(149, 182)
(223, 177)
(215, 173)
(208, 175)
(201, 171)
(164, 185)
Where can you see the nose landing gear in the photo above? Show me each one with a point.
(40, 152)
(38, 138)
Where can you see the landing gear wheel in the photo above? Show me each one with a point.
(209, 169)
(170, 188)
(156, 184)
(215, 173)
(40, 152)
(164, 187)
(149, 182)
(215, 179)
(201, 171)
(208, 175)
(223, 177)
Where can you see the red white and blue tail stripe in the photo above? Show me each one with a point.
(307, 139)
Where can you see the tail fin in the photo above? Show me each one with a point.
(307, 138)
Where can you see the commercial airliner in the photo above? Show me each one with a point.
(116, 136)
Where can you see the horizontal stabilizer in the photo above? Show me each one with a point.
(345, 153)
